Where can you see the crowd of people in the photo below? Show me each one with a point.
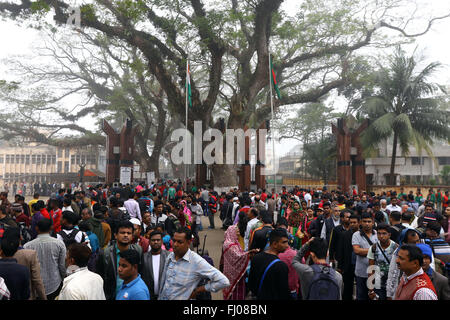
(123, 242)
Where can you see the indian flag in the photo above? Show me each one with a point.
(274, 80)
(188, 84)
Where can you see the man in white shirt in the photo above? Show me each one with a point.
(80, 283)
(414, 285)
(252, 216)
(67, 205)
(132, 207)
(153, 264)
(235, 206)
(308, 198)
(393, 206)
(158, 216)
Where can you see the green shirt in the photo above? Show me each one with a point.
(171, 193)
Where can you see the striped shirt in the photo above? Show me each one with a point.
(180, 278)
(51, 254)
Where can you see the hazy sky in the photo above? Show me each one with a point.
(435, 45)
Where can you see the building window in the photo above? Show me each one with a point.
(66, 166)
(60, 151)
(7, 158)
(22, 158)
(1, 159)
(12, 158)
(67, 152)
(53, 159)
(33, 159)
(59, 166)
(443, 161)
(415, 161)
(78, 159)
(38, 159)
(27, 159)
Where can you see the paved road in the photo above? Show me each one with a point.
(214, 240)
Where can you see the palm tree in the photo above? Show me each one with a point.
(406, 106)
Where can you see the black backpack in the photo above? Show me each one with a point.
(25, 232)
(70, 238)
(323, 286)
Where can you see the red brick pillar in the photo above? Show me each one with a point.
(343, 144)
(359, 161)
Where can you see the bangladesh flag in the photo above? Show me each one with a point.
(274, 80)
(188, 84)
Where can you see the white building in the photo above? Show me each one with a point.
(412, 168)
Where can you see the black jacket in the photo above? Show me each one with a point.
(275, 285)
(316, 227)
(107, 268)
(147, 271)
(346, 252)
(337, 242)
(17, 278)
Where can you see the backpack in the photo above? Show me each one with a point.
(69, 239)
(25, 232)
(323, 286)
(92, 263)
(176, 221)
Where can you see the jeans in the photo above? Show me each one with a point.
(211, 219)
(348, 278)
(381, 293)
(362, 293)
(53, 295)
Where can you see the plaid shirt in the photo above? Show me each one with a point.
(180, 278)
(51, 254)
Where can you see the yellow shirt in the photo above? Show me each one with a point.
(30, 204)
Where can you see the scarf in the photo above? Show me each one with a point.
(235, 260)
(187, 213)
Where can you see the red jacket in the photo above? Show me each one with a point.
(56, 215)
(408, 290)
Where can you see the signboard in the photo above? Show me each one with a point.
(125, 175)
(150, 177)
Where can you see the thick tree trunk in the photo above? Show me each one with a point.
(394, 155)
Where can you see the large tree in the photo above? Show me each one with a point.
(407, 107)
(110, 82)
(229, 44)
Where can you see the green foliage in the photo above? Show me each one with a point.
(320, 158)
(445, 175)
(8, 86)
(406, 106)
(40, 7)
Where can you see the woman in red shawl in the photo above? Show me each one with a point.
(235, 260)
(303, 230)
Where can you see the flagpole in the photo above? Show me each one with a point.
(186, 137)
(271, 127)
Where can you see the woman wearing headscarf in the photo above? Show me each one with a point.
(294, 220)
(235, 260)
(186, 213)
